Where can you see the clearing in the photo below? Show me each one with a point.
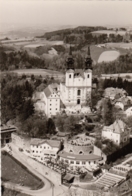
(13, 171)
(38, 72)
(108, 56)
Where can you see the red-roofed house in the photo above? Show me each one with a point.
(117, 132)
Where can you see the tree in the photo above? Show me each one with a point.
(107, 112)
(50, 126)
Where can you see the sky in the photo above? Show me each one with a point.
(62, 12)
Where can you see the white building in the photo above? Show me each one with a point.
(76, 91)
(52, 99)
(78, 83)
(42, 149)
(117, 132)
(128, 112)
(48, 101)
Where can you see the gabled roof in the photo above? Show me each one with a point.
(52, 143)
(79, 72)
(50, 88)
(118, 126)
(48, 91)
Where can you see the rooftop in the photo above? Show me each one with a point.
(118, 126)
(78, 157)
(49, 89)
(37, 142)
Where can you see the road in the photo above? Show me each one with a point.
(52, 185)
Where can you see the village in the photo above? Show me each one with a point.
(95, 161)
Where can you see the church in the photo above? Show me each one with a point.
(74, 93)
(78, 82)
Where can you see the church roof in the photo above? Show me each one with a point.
(79, 72)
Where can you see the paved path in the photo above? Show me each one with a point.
(52, 185)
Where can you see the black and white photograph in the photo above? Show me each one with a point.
(66, 97)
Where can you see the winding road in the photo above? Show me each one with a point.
(52, 186)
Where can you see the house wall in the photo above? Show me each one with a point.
(115, 137)
(98, 151)
(43, 150)
(79, 163)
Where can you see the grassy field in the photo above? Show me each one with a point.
(38, 72)
(15, 172)
(97, 51)
(108, 56)
(8, 192)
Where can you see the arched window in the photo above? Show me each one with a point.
(80, 152)
(88, 76)
(70, 76)
(79, 92)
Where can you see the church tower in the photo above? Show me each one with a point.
(88, 60)
(78, 83)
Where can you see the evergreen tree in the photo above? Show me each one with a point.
(107, 112)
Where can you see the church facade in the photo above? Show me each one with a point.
(78, 83)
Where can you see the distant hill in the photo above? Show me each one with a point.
(63, 32)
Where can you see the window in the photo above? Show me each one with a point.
(56, 108)
(50, 104)
(88, 76)
(79, 92)
(77, 162)
(70, 76)
(72, 162)
(80, 152)
(83, 162)
(50, 108)
(36, 151)
(56, 99)
(33, 151)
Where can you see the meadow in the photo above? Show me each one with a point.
(108, 56)
(38, 72)
(13, 171)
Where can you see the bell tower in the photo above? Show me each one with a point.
(88, 60)
(70, 60)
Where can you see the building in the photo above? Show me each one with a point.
(75, 92)
(6, 132)
(78, 152)
(112, 93)
(42, 149)
(117, 132)
(78, 82)
(52, 99)
(48, 101)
